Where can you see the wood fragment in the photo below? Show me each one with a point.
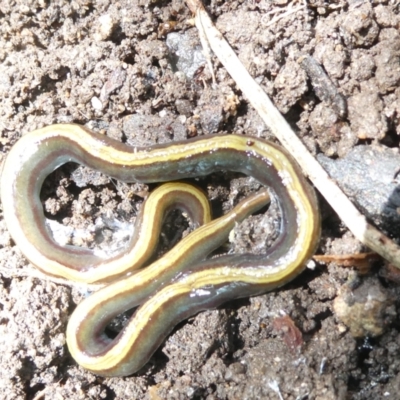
(289, 332)
(363, 262)
(323, 86)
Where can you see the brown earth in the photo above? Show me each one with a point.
(107, 65)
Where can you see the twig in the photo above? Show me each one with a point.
(207, 53)
(283, 15)
(346, 210)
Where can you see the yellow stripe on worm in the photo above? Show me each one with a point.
(93, 314)
(105, 267)
(184, 287)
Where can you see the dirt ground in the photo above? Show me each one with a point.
(133, 70)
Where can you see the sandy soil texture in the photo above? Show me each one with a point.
(134, 70)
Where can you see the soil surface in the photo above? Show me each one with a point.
(134, 70)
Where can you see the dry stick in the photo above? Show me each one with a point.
(346, 210)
